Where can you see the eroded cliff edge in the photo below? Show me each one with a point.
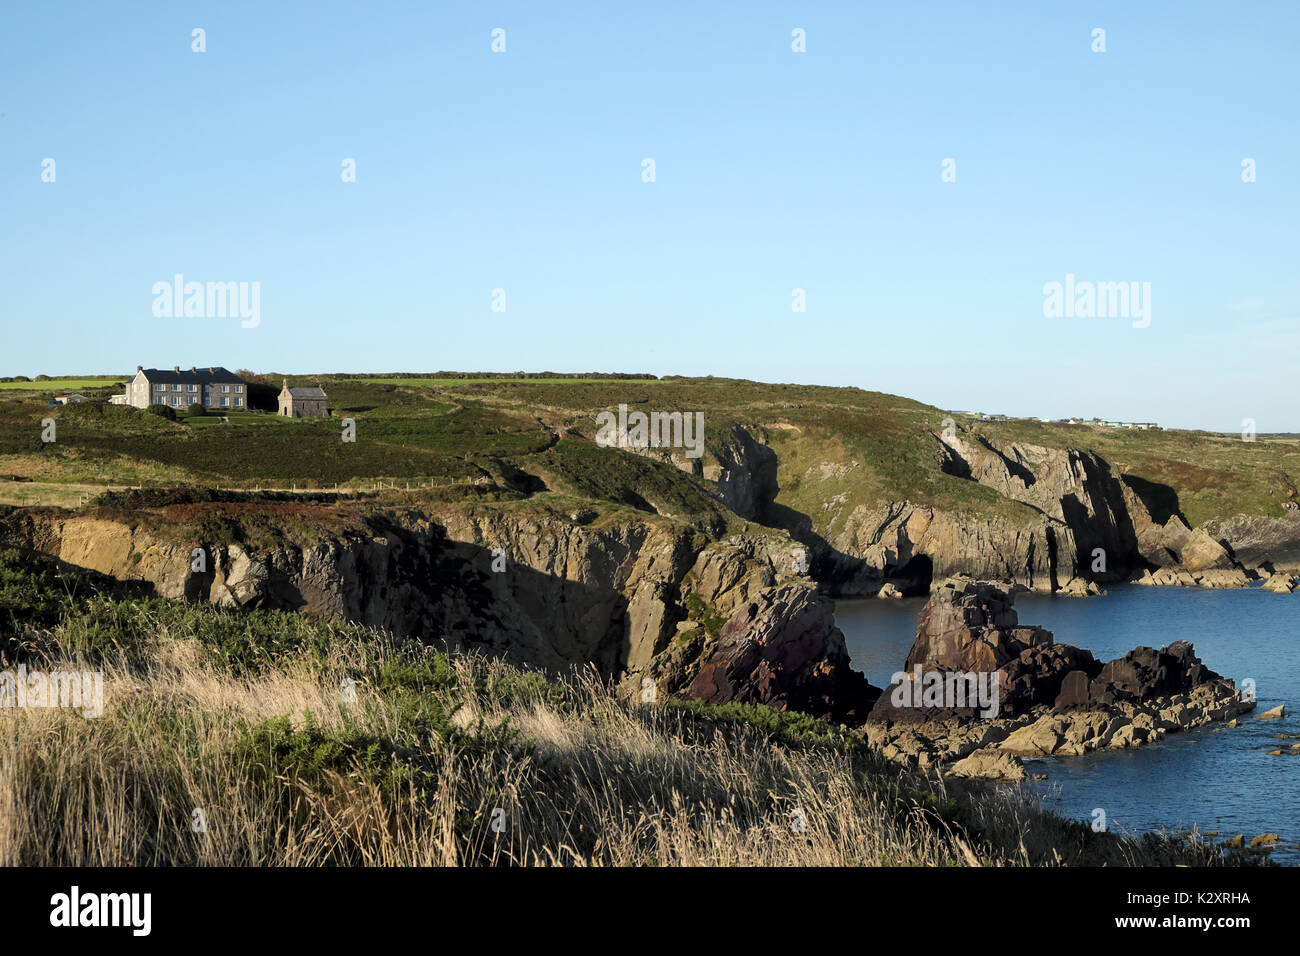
(658, 606)
(1047, 519)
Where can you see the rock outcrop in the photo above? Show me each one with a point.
(1073, 523)
(970, 627)
(1073, 529)
(784, 650)
(1055, 699)
(638, 598)
(1072, 487)
(911, 545)
(1144, 674)
(1257, 540)
(1180, 577)
(746, 474)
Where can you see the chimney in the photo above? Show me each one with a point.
(193, 369)
(139, 368)
(176, 368)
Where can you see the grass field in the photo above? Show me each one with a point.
(854, 446)
(54, 494)
(65, 384)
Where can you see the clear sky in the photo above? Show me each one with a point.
(774, 170)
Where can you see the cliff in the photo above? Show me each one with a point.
(650, 603)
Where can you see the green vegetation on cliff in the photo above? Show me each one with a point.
(535, 434)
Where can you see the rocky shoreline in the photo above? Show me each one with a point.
(1053, 699)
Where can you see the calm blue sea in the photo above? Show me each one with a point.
(1215, 778)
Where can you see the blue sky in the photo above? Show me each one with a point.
(774, 171)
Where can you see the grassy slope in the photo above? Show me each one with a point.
(309, 743)
(867, 447)
(70, 384)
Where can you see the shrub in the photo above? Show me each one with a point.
(163, 411)
(196, 410)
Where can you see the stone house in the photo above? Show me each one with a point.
(303, 402)
(215, 387)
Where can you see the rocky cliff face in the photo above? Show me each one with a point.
(1074, 488)
(908, 545)
(1261, 540)
(640, 599)
(745, 474)
(1077, 528)
(785, 649)
(1081, 524)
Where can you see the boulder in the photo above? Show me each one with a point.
(1280, 584)
(1074, 690)
(1040, 738)
(1276, 713)
(1078, 587)
(784, 650)
(1223, 578)
(1200, 552)
(989, 764)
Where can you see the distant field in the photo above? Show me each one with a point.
(65, 384)
(492, 381)
(50, 493)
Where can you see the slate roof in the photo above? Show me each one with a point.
(204, 376)
(312, 392)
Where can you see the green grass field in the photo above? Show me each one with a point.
(857, 447)
(65, 384)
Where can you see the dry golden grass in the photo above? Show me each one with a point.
(582, 778)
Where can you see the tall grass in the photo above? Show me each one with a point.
(305, 744)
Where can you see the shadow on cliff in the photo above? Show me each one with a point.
(1161, 501)
(461, 595)
(839, 574)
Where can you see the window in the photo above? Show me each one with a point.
(239, 401)
(176, 400)
(160, 388)
(176, 388)
(193, 388)
(191, 400)
(225, 401)
(225, 388)
(239, 389)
